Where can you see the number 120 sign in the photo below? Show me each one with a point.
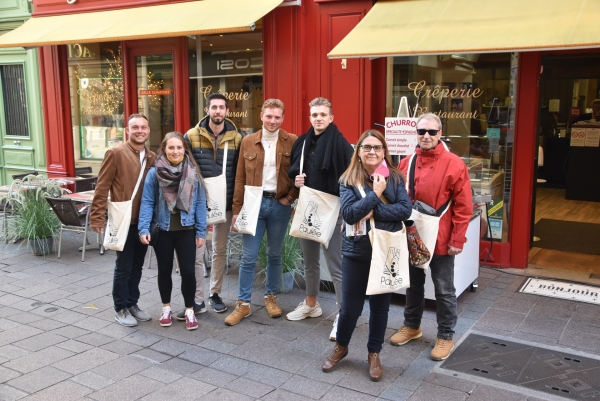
(401, 135)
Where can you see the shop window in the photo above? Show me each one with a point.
(96, 91)
(230, 64)
(14, 100)
(474, 96)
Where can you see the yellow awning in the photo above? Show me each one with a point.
(178, 19)
(420, 27)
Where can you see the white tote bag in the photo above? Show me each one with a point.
(119, 219)
(389, 261)
(427, 225)
(248, 217)
(316, 213)
(216, 195)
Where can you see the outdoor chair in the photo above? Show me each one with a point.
(86, 184)
(23, 175)
(79, 171)
(71, 219)
(234, 248)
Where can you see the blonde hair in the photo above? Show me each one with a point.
(321, 101)
(356, 175)
(273, 104)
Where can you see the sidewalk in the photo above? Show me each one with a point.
(59, 340)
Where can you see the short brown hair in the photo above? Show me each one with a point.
(137, 115)
(273, 104)
(321, 101)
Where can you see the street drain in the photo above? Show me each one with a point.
(553, 372)
(51, 309)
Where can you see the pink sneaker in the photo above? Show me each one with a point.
(165, 318)
(190, 320)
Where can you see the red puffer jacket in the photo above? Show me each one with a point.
(439, 176)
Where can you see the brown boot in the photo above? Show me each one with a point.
(375, 369)
(339, 352)
(271, 304)
(442, 349)
(404, 335)
(242, 310)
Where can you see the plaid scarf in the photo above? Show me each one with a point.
(176, 182)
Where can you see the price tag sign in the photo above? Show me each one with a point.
(493, 133)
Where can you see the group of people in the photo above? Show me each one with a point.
(174, 197)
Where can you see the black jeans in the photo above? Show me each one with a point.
(184, 243)
(442, 274)
(128, 271)
(355, 275)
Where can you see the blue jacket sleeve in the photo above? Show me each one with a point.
(354, 206)
(148, 202)
(399, 209)
(200, 213)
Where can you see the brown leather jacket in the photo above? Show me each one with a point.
(118, 174)
(250, 167)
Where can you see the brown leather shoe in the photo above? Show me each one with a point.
(375, 368)
(339, 352)
(271, 304)
(404, 335)
(442, 349)
(242, 310)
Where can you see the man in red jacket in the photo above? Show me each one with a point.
(439, 176)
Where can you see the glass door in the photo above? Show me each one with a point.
(155, 95)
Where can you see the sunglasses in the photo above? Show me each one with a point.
(431, 132)
(367, 148)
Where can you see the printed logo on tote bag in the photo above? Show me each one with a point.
(391, 268)
(111, 233)
(212, 209)
(242, 221)
(311, 225)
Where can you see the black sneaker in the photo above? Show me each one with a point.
(197, 310)
(217, 303)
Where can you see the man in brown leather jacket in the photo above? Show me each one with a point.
(264, 162)
(118, 174)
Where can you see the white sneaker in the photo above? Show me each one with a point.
(333, 334)
(303, 311)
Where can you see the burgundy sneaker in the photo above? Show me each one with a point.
(190, 321)
(165, 318)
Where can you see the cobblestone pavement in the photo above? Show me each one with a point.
(59, 340)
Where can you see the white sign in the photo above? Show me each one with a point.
(577, 136)
(592, 137)
(558, 289)
(401, 135)
(495, 228)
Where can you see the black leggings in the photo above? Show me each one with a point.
(184, 243)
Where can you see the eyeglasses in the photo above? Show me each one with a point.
(367, 148)
(431, 132)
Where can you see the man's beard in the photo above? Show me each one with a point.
(214, 120)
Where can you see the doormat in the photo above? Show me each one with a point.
(552, 372)
(562, 290)
(569, 236)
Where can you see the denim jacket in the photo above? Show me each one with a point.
(196, 217)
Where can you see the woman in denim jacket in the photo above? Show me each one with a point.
(174, 189)
(387, 202)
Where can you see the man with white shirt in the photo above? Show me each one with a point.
(264, 161)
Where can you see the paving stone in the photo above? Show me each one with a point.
(212, 376)
(200, 356)
(488, 393)
(161, 375)
(121, 347)
(64, 391)
(514, 305)
(233, 365)
(543, 326)
(344, 394)
(7, 374)
(39, 379)
(94, 339)
(11, 352)
(170, 347)
(222, 394)
(85, 361)
(183, 389)
(37, 360)
(92, 380)
(142, 338)
(306, 387)
(115, 330)
(500, 319)
(395, 394)
(555, 308)
(7, 324)
(582, 341)
(18, 333)
(216, 345)
(151, 356)
(40, 341)
(180, 366)
(454, 382)
(122, 367)
(74, 346)
(9, 393)
(407, 383)
(268, 375)
(131, 388)
(428, 392)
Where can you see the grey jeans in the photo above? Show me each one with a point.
(333, 258)
(441, 269)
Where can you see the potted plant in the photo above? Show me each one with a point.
(32, 218)
(291, 258)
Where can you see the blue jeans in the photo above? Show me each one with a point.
(128, 271)
(274, 218)
(442, 274)
(355, 275)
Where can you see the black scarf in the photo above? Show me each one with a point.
(330, 156)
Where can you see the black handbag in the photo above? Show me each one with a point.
(154, 231)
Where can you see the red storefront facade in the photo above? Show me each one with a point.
(295, 42)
